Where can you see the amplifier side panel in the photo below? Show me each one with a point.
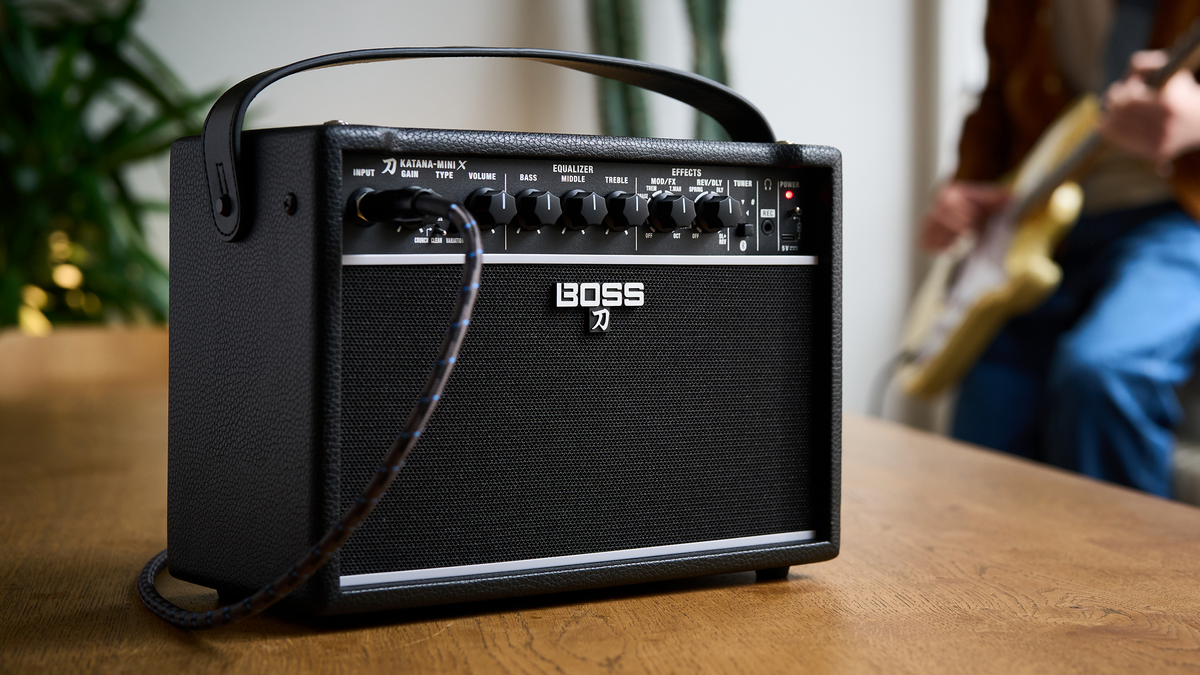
(252, 371)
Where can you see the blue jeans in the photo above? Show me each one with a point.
(1086, 381)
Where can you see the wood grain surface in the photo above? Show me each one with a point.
(954, 560)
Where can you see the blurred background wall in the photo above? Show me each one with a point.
(884, 81)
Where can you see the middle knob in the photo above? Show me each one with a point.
(669, 211)
(582, 209)
(537, 209)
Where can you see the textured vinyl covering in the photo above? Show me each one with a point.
(698, 426)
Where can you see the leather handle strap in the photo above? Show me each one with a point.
(223, 127)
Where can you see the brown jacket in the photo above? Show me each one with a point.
(1025, 91)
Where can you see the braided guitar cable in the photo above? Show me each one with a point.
(422, 202)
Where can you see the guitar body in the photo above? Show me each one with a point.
(982, 282)
(1032, 275)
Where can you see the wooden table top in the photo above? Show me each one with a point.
(953, 560)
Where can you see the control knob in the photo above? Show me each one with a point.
(669, 211)
(716, 212)
(625, 210)
(583, 209)
(492, 207)
(537, 209)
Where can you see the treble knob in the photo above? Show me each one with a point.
(625, 210)
(716, 212)
(492, 207)
(669, 211)
(582, 209)
(537, 209)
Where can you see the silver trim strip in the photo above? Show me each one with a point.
(353, 580)
(566, 259)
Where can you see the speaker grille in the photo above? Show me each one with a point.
(690, 420)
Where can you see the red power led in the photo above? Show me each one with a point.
(787, 195)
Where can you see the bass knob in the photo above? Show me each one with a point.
(537, 209)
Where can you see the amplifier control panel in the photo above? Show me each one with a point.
(572, 207)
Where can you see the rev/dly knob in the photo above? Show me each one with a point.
(669, 211)
(537, 209)
(583, 209)
(492, 207)
(716, 212)
(625, 210)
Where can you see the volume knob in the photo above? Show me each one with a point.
(716, 212)
(583, 209)
(537, 209)
(492, 207)
(625, 210)
(669, 211)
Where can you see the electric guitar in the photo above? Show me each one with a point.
(983, 280)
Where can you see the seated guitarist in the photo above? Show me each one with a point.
(1086, 381)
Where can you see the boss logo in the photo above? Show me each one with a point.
(598, 297)
(571, 294)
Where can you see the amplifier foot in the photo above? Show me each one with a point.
(772, 574)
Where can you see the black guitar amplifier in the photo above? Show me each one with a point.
(649, 389)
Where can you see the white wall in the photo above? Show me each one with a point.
(841, 74)
(832, 73)
(962, 72)
(217, 43)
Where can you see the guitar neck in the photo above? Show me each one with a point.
(1185, 53)
(1022, 204)
(1182, 54)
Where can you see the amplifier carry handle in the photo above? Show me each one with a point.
(223, 127)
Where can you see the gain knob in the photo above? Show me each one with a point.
(537, 209)
(492, 207)
(582, 209)
(625, 210)
(669, 211)
(716, 212)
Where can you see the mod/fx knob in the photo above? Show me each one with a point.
(716, 212)
(669, 211)
(582, 209)
(492, 207)
(537, 209)
(625, 210)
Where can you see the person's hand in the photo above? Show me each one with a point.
(1155, 125)
(959, 207)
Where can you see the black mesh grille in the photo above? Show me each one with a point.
(691, 420)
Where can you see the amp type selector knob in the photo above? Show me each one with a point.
(537, 209)
(669, 211)
(492, 207)
(582, 209)
(625, 210)
(716, 212)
